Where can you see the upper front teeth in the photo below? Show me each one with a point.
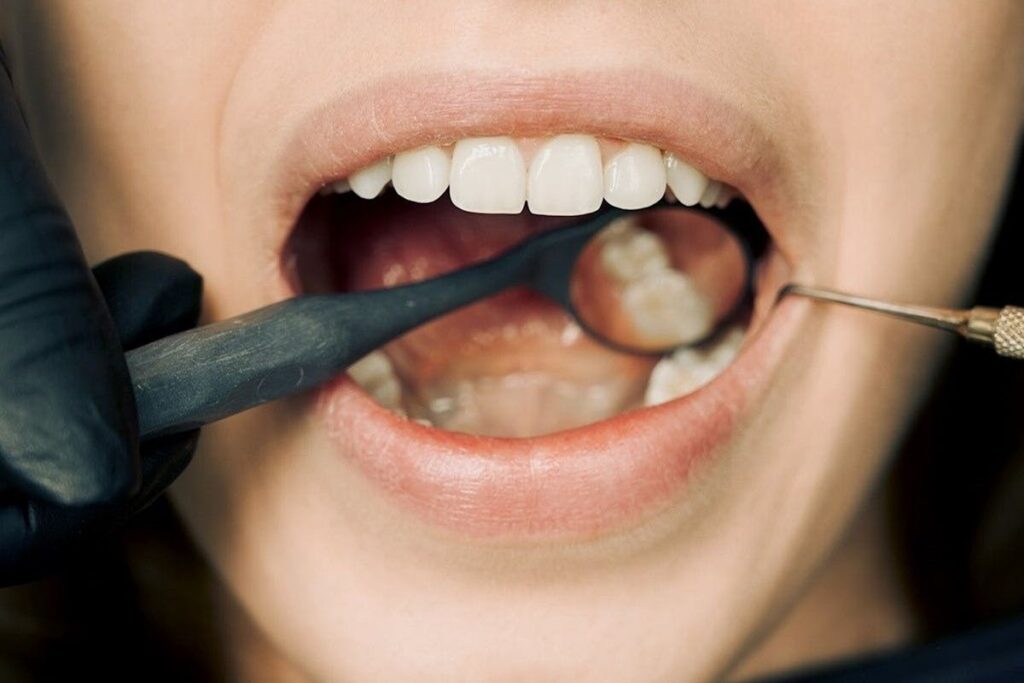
(566, 175)
(488, 176)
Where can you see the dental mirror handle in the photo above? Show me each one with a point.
(1000, 328)
(189, 379)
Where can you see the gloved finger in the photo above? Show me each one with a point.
(67, 415)
(149, 295)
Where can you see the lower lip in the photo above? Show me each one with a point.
(583, 482)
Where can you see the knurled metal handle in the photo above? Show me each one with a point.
(1009, 332)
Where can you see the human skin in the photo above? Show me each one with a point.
(158, 122)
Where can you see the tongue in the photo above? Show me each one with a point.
(513, 365)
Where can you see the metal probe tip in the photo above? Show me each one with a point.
(1001, 328)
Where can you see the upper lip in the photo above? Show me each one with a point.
(345, 132)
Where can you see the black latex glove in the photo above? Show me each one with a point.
(70, 463)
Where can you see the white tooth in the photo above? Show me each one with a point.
(370, 368)
(340, 186)
(368, 182)
(375, 374)
(687, 370)
(565, 177)
(710, 195)
(635, 177)
(686, 182)
(488, 176)
(629, 253)
(666, 307)
(724, 198)
(422, 174)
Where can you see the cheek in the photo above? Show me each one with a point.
(126, 119)
(914, 144)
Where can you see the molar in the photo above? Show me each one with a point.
(628, 252)
(686, 370)
(667, 305)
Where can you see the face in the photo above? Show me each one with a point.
(530, 516)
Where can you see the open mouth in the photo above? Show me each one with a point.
(505, 419)
(518, 364)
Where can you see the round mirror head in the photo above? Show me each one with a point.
(658, 279)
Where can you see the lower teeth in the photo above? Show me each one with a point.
(376, 375)
(688, 369)
(501, 405)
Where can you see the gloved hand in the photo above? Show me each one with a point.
(71, 465)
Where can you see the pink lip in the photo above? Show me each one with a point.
(588, 480)
(581, 482)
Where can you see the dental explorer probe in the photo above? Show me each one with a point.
(1001, 328)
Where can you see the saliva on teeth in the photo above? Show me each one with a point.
(658, 298)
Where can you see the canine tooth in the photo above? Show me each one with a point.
(666, 306)
(368, 182)
(710, 196)
(488, 176)
(629, 253)
(688, 369)
(635, 177)
(686, 182)
(421, 175)
(565, 177)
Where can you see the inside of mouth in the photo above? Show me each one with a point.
(513, 365)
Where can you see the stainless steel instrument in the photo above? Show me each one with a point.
(1000, 328)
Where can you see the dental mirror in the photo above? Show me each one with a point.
(658, 279)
